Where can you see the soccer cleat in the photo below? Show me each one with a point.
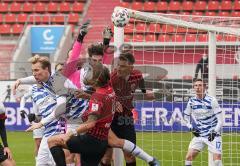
(155, 162)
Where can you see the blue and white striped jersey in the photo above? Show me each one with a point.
(75, 108)
(204, 112)
(45, 103)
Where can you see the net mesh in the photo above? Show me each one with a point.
(167, 51)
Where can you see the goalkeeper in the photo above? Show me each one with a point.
(207, 114)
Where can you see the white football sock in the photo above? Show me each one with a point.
(136, 151)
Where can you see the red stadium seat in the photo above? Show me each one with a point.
(3, 7)
(27, 7)
(197, 13)
(58, 19)
(52, 7)
(230, 38)
(219, 37)
(223, 14)
(127, 38)
(138, 38)
(190, 38)
(167, 28)
(125, 4)
(35, 19)
(235, 14)
(210, 13)
(17, 29)
(40, 7)
(181, 30)
(177, 38)
(1, 18)
(202, 37)
(137, 6)
(187, 5)
(77, 7)
(164, 38)
(226, 5)
(213, 5)
(46, 19)
(73, 18)
(187, 77)
(174, 6)
(154, 28)
(5, 29)
(15, 7)
(150, 38)
(236, 5)
(22, 18)
(10, 18)
(149, 6)
(141, 28)
(200, 5)
(162, 6)
(65, 7)
(129, 28)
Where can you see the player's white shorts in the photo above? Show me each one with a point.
(38, 133)
(199, 143)
(44, 157)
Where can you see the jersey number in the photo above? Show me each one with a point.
(218, 145)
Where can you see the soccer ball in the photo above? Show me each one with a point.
(120, 17)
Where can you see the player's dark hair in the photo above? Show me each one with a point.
(199, 79)
(95, 49)
(101, 74)
(127, 56)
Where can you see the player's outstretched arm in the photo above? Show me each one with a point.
(59, 110)
(25, 80)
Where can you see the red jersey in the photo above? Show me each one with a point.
(102, 104)
(124, 88)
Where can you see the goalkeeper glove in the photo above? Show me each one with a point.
(195, 132)
(83, 30)
(23, 113)
(107, 35)
(212, 135)
(31, 117)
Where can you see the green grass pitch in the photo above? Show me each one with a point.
(170, 148)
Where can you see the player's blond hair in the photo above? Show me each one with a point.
(45, 62)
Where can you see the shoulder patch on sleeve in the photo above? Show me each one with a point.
(95, 107)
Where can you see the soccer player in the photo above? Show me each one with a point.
(93, 144)
(45, 101)
(207, 114)
(125, 80)
(6, 158)
(37, 133)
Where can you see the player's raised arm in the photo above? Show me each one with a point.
(71, 66)
(107, 35)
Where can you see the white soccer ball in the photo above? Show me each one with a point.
(120, 17)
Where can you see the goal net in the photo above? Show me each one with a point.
(167, 49)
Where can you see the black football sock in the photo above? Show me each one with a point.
(58, 155)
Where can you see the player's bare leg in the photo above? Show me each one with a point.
(8, 162)
(107, 158)
(191, 155)
(217, 158)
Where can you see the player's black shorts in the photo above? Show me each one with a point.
(2, 156)
(90, 148)
(123, 127)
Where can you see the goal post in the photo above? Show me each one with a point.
(176, 44)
